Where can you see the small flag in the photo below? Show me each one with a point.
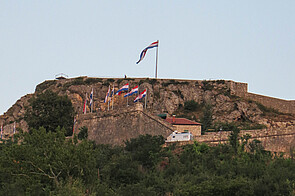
(134, 90)
(140, 96)
(14, 128)
(142, 54)
(75, 120)
(85, 103)
(91, 99)
(1, 131)
(107, 95)
(113, 91)
(123, 88)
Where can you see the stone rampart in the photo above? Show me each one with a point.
(115, 127)
(281, 105)
(274, 140)
(241, 90)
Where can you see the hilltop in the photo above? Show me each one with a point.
(229, 100)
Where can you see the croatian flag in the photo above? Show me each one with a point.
(107, 95)
(1, 131)
(75, 120)
(113, 91)
(84, 106)
(134, 90)
(142, 54)
(91, 98)
(123, 88)
(140, 96)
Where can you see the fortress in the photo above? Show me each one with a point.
(231, 100)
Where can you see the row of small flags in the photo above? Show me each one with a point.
(110, 94)
(2, 130)
(126, 88)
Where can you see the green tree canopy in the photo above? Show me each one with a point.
(50, 110)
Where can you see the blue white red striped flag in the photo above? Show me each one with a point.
(142, 54)
(123, 88)
(91, 98)
(85, 103)
(107, 95)
(113, 91)
(140, 96)
(134, 90)
(1, 131)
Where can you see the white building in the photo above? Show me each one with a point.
(179, 136)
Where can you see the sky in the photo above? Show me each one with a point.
(245, 41)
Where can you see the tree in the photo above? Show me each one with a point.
(49, 110)
(145, 149)
(83, 134)
(207, 118)
(45, 161)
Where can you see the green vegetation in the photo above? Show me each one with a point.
(267, 110)
(49, 110)
(206, 120)
(225, 126)
(207, 85)
(90, 81)
(150, 81)
(191, 105)
(190, 110)
(46, 163)
(165, 84)
(45, 85)
(83, 134)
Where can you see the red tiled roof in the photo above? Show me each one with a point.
(181, 121)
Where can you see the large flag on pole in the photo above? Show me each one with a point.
(142, 54)
(134, 90)
(140, 96)
(123, 88)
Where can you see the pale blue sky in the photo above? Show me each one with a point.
(248, 41)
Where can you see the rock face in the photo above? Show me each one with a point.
(230, 100)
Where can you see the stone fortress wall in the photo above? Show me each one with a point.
(115, 127)
(241, 90)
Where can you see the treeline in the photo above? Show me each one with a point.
(48, 163)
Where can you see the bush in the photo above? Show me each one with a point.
(83, 134)
(191, 105)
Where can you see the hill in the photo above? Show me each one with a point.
(230, 100)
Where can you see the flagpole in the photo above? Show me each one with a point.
(92, 101)
(145, 100)
(156, 74)
(127, 96)
(113, 96)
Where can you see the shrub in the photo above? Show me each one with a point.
(191, 105)
(83, 134)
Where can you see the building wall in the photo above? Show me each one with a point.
(194, 129)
